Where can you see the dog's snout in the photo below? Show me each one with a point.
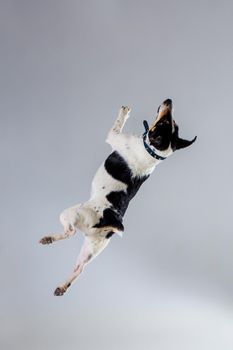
(168, 103)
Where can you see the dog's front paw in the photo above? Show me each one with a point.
(125, 111)
(47, 240)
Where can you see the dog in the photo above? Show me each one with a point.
(116, 182)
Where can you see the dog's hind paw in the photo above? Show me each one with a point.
(47, 240)
(59, 291)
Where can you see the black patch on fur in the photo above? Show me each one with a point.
(110, 218)
(118, 168)
(109, 234)
(120, 199)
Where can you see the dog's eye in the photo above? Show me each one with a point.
(158, 141)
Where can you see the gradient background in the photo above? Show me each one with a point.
(66, 68)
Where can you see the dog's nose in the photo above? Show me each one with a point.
(168, 103)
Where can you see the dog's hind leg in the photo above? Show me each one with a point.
(58, 236)
(90, 249)
(117, 128)
(69, 219)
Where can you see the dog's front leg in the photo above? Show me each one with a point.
(117, 128)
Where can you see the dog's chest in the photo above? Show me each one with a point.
(131, 148)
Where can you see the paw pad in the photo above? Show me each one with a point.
(46, 240)
(59, 291)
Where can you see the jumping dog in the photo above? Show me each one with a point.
(116, 182)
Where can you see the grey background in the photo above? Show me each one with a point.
(66, 68)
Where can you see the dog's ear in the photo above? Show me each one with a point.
(181, 143)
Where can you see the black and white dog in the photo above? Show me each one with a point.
(116, 182)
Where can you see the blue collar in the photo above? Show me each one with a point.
(147, 147)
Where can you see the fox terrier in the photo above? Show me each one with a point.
(116, 182)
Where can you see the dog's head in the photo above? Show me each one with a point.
(164, 133)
